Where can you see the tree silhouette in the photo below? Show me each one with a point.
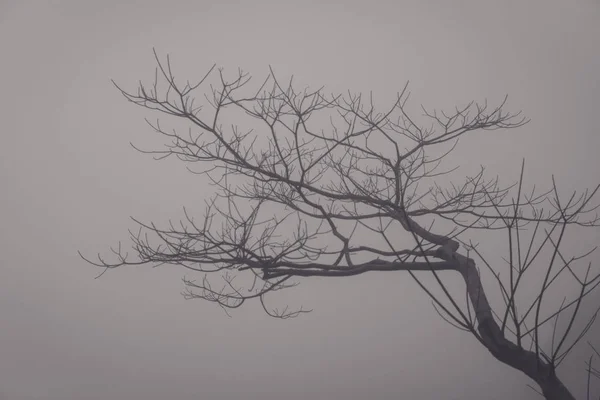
(324, 185)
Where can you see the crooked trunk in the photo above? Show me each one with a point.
(553, 389)
(495, 341)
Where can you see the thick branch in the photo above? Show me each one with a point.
(374, 265)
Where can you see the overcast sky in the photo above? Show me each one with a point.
(70, 181)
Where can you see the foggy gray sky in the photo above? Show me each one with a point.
(69, 181)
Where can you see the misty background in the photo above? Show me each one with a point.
(70, 181)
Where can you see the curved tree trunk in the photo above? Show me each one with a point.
(553, 389)
(493, 338)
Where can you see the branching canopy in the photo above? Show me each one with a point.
(325, 185)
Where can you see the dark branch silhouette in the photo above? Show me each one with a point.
(325, 185)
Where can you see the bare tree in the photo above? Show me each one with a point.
(293, 200)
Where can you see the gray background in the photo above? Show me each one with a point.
(69, 180)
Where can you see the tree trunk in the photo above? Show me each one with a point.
(553, 389)
(494, 340)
